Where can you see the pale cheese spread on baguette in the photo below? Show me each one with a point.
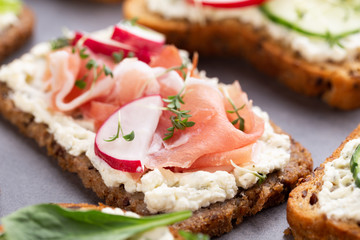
(339, 197)
(312, 49)
(164, 190)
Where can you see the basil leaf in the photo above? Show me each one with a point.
(47, 221)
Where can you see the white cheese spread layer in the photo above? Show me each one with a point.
(312, 49)
(339, 196)
(8, 19)
(164, 190)
(159, 233)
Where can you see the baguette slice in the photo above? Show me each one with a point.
(15, 36)
(338, 84)
(214, 220)
(303, 208)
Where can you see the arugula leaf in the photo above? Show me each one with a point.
(193, 236)
(47, 221)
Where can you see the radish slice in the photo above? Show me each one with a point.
(227, 3)
(139, 37)
(141, 116)
(100, 42)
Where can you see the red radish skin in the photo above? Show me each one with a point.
(141, 116)
(108, 49)
(141, 38)
(227, 3)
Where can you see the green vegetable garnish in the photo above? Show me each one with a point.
(355, 167)
(181, 120)
(10, 6)
(59, 43)
(128, 137)
(47, 221)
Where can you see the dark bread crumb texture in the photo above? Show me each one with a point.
(338, 84)
(214, 220)
(303, 207)
(15, 36)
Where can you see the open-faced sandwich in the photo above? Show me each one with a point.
(147, 131)
(83, 221)
(310, 46)
(326, 205)
(16, 26)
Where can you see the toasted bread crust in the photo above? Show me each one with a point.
(15, 36)
(214, 220)
(302, 208)
(338, 84)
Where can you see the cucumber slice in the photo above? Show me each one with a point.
(355, 165)
(10, 6)
(328, 19)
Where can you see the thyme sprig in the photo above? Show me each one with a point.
(181, 119)
(128, 137)
(180, 68)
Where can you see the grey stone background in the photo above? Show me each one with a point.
(28, 176)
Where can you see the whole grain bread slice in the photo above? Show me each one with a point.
(338, 84)
(214, 220)
(15, 36)
(305, 220)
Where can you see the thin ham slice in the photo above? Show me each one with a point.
(213, 132)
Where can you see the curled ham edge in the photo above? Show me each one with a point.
(59, 67)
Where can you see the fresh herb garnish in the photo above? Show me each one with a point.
(47, 221)
(128, 137)
(81, 83)
(59, 43)
(235, 110)
(333, 40)
(261, 176)
(133, 21)
(82, 53)
(180, 68)
(355, 166)
(130, 55)
(118, 56)
(193, 236)
(181, 119)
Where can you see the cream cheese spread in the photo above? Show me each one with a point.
(339, 196)
(8, 19)
(159, 233)
(164, 190)
(312, 49)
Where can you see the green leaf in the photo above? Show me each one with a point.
(193, 236)
(10, 6)
(129, 137)
(107, 71)
(59, 43)
(131, 55)
(81, 83)
(82, 53)
(47, 221)
(190, 124)
(91, 64)
(355, 166)
(133, 21)
(118, 56)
